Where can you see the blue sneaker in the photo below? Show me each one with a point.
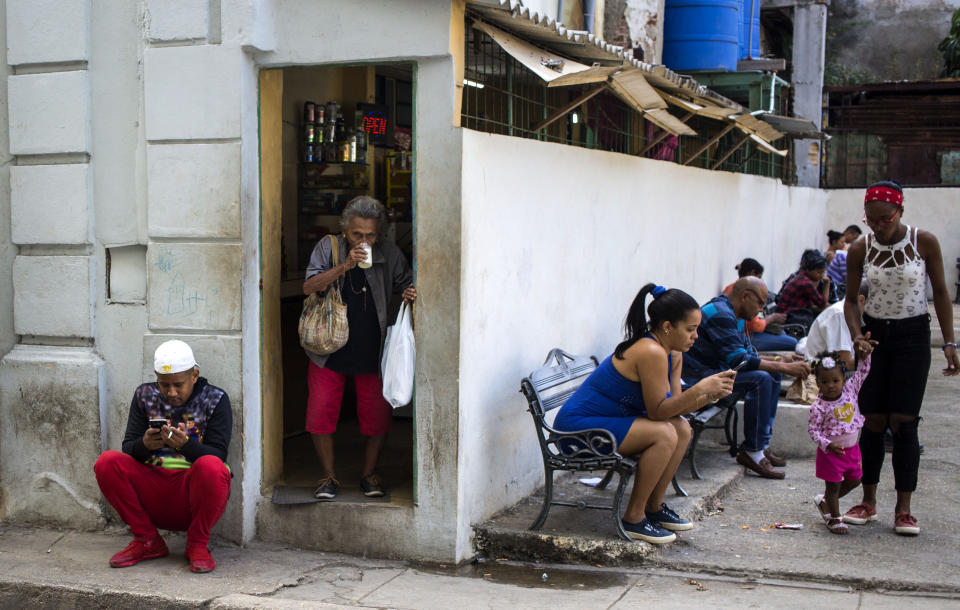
(648, 532)
(669, 520)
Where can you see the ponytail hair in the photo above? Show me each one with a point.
(668, 305)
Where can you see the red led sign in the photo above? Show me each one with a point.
(375, 123)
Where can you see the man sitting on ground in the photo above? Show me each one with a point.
(722, 344)
(172, 472)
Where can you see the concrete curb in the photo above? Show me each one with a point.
(499, 542)
(839, 579)
(21, 594)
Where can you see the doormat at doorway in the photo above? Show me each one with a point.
(288, 494)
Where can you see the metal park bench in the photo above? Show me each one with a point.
(700, 421)
(546, 389)
(956, 299)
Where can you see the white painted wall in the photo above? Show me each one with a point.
(557, 240)
(934, 209)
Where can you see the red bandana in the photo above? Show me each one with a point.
(884, 193)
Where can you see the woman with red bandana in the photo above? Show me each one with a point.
(896, 259)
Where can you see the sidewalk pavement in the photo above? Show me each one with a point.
(732, 558)
(55, 569)
(735, 512)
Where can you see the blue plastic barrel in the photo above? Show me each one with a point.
(749, 29)
(701, 34)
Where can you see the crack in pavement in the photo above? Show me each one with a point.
(54, 543)
(313, 575)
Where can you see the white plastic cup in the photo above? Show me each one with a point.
(367, 262)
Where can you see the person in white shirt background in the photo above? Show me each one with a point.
(829, 332)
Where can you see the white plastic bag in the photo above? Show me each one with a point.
(399, 358)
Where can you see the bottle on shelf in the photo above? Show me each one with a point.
(361, 136)
(340, 133)
(330, 133)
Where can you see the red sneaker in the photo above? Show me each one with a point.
(906, 524)
(200, 559)
(138, 551)
(860, 514)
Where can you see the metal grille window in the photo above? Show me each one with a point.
(906, 131)
(500, 95)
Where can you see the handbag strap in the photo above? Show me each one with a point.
(335, 259)
(334, 250)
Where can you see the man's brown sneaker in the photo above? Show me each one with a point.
(764, 468)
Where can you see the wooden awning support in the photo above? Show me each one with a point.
(727, 154)
(562, 112)
(709, 143)
(663, 136)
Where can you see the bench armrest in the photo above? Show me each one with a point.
(592, 442)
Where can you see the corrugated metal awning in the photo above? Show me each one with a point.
(626, 82)
(794, 126)
(564, 57)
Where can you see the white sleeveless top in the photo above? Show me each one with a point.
(898, 278)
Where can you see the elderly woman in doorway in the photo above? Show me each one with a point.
(366, 293)
(636, 395)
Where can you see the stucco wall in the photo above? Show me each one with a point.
(935, 209)
(870, 41)
(417, 32)
(556, 242)
(636, 24)
(7, 250)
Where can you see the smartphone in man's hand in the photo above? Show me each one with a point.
(157, 422)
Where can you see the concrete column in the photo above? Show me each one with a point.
(192, 104)
(809, 45)
(51, 384)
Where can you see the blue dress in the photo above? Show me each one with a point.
(605, 400)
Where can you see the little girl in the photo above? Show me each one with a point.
(834, 424)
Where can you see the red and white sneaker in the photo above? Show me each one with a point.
(906, 524)
(860, 514)
(138, 551)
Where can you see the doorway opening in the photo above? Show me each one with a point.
(328, 135)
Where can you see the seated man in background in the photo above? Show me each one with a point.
(829, 332)
(852, 234)
(722, 344)
(764, 338)
(172, 473)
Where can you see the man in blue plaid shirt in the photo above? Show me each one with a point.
(722, 343)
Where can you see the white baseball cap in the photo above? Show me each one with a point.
(173, 357)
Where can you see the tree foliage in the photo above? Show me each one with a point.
(949, 47)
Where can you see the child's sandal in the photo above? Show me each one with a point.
(819, 503)
(837, 526)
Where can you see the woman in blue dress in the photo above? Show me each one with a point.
(635, 394)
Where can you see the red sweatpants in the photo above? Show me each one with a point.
(149, 497)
